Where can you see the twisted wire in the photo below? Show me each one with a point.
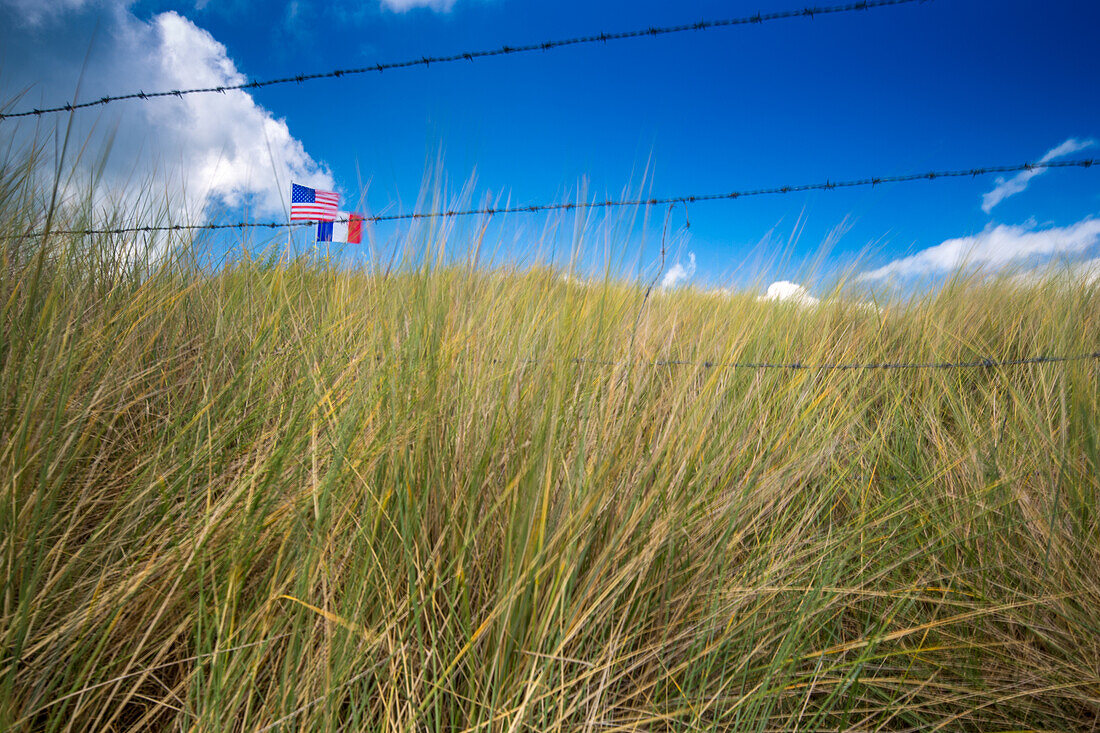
(984, 362)
(506, 50)
(584, 205)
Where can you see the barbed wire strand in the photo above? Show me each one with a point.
(980, 363)
(582, 205)
(506, 50)
(984, 362)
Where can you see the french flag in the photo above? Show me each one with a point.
(347, 228)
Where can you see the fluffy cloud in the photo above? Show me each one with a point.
(785, 290)
(401, 6)
(995, 246)
(678, 274)
(1020, 181)
(196, 152)
(233, 149)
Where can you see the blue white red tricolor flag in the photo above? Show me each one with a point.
(309, 204)
(346, 228)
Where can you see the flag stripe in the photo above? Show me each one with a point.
(355, 229)
(313, 215)
(340, 227)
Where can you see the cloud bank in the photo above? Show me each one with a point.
(995, 246)
(197, 152)
(678, 273)
(1019, 182)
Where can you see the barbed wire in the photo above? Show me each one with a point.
(984, 362)
(582, 205)
(506, 50)
(980, 363)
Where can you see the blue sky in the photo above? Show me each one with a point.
(944, 84)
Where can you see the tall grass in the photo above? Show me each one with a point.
(289, 495)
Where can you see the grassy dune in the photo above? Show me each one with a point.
(285, 495)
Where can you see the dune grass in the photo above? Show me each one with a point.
(290, 495)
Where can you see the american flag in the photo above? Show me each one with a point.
(309, 204)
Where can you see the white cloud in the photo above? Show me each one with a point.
(787, 291)
(996, 246)
(1020, 181)
(402, 6)
(678, 274)
(229, 145)
(197, 151)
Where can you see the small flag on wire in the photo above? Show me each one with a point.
(309, 204)
(344, 228)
